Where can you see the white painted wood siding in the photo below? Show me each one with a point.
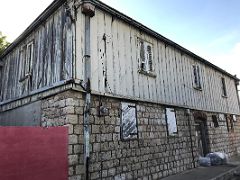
(116, 59)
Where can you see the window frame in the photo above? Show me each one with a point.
(27, 56)
(145, 57)
(132, 136)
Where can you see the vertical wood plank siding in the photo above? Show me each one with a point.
(53, 56)
(118, 66)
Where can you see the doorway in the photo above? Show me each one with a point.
(202, 137)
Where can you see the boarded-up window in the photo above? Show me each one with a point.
(224, 90)
(196, 75)
(215, 121)
(146, 56)
(171, 121)
(128, 121)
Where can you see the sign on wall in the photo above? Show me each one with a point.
(128, 121)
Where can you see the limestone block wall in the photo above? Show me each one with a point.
(221, 139)
(152, 154)
(66, 109)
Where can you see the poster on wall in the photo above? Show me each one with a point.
(128, 121)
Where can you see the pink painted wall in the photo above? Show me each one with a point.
(33, 153)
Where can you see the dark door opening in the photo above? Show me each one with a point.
(202, 137)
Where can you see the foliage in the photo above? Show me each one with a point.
(3, 43)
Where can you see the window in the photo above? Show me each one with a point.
(128, 121)
(197, 79)
(145, 56)
(224, 91)
(224, 120)
(171, 121)
(215, 121)
(227, 123)
(234, 118)
(231, 123)
(29, 58)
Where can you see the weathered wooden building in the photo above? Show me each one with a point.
(138, 106)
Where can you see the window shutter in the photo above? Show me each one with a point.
(198, 77)
(149, 51)
(195, 75)
(142, 56)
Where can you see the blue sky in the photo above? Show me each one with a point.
(209, 28)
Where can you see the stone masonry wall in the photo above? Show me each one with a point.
(220, 139)
(66, 109)
(152, 155)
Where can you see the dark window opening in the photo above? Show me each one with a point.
(224, 91)
(215, 121)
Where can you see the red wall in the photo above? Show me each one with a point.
(33, 153)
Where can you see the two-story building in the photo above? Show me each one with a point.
(137, 105)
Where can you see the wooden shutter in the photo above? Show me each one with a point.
(149, 51)
(142, 56)
(196, 73)
(198, 77)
